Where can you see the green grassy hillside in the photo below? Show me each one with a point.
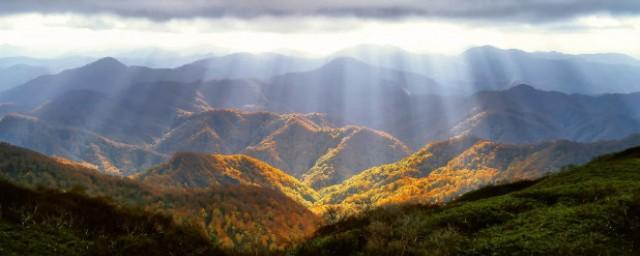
(592, 209)
(47, 222)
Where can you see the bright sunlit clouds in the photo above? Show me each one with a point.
(59, 34)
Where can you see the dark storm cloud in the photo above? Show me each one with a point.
(509, 10)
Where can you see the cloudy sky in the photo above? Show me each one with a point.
(55, 27)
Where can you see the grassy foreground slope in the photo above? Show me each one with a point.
(47, 222)
(593, 209)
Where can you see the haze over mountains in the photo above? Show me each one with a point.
(341, 128)
(491, 68)
(124, 119)
(257, 151)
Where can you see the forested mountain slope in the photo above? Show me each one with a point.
(592, 209)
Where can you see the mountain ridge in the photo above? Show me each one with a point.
(584, 209)
(444, 170)
(238, 217)
(197, 170)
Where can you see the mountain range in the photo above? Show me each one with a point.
(302, 145)
(245, 204)
(124, 119)
(256, 152)
(410, 106)
(491, 68)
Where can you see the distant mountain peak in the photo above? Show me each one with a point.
(522, 87)
(242, 57)
(345, 64)
(518, 88)
(490, 49)
(106, 63)
(483, 48)
(345, 61)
